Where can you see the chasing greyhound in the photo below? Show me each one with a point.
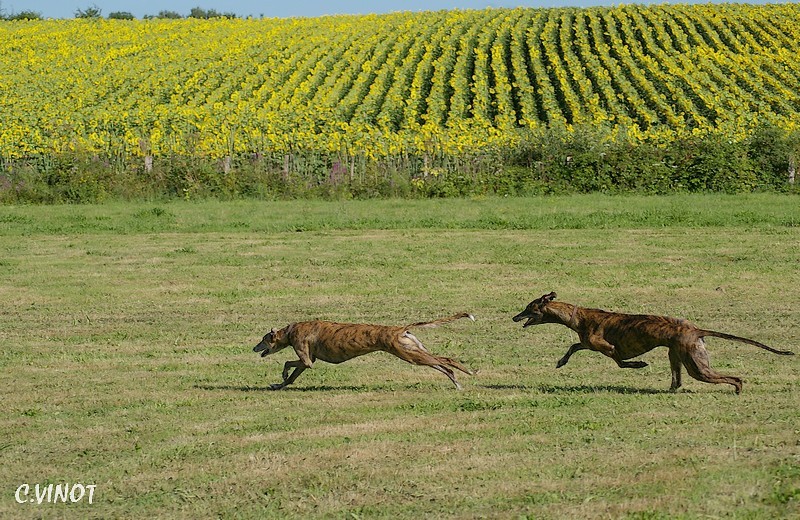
(338, 342)
(625, 336)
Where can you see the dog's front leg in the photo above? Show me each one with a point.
(300, 365)
(288, 381)
(604, 347)
(288, 365)
(297, 365)
(630, 364)
(573, 349)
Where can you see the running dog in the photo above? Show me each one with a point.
(625, 336)
(338, 342)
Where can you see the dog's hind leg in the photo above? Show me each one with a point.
(675, 366)
(454, 364)
(695, 359)
(449, 373)
(411, 350)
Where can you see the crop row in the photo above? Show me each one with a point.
(449, 81)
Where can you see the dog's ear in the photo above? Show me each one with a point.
(270, 336)
(547, 298)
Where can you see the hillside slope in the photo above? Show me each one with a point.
(382, 85)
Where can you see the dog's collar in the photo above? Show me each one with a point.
(571, 322)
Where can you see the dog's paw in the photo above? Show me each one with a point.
(637, 364)
(277, 386)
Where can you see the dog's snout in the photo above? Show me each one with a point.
(519, 317)
(262, 347)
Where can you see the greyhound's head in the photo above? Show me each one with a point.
(534, 312)
(272, 342)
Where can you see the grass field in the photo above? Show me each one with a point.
(126, 359)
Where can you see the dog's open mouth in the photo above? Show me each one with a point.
(261, 348)
(521, 316)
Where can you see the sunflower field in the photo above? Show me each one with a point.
(434, 90)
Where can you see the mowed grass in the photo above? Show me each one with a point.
(126, 361)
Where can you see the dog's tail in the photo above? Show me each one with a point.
(744, 340)
(441, 321)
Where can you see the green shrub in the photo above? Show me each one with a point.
(711, 163)
(548, 162)
(772, 152)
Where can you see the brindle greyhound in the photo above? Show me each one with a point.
(338, 342)
(625, 336)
